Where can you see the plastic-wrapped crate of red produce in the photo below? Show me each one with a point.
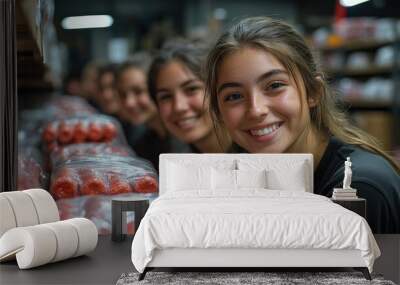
(30, 169)
(65, 106)
(84, 150)
(98, 210)
(72, 130)
(106, 174)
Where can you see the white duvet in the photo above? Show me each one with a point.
(250, 219)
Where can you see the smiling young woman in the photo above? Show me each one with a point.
(144, 129)
(177, 86)
(265, 88)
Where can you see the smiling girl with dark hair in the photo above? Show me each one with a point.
(176, 84)
(266, 89)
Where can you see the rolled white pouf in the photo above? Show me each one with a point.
(33, 246)
(23, 208)
(45, 205)
(67, 239)
(87, 235)
(7, 218)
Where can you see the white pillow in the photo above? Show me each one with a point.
(292, 180)
(281, 173)
(251, 178)
(224, 179)
(183, 178)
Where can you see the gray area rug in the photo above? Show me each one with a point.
(225, 278)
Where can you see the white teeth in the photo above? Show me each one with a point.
(187, 122)
(265, 131)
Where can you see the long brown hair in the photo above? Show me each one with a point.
(290, 48)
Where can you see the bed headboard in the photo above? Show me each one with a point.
(234, 161)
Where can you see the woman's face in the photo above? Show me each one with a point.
(180, 98)
(108, 98)
(136, 101)
(260, 104)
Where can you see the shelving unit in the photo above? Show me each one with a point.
(357, 45)
(380, 117)
(22, 70)
(353, 72)
(31, 48)
(8, 97)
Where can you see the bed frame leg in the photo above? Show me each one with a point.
(364, 271)
(143, 274)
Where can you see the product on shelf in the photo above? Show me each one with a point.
(95, 128)
(105, 174)
(378, 89)
(30, 169)
(65, 133)
(358, 60)
(98, 210)
(362, 65)
(109, 131)
(86, 177)
(66, 106)
(95, 132)
(334, 61)
(119, 185)
(375, 89)
(387, 29)
(83, 150)
(50, 133)
(357, 29)
(385, 57)
(91, 182)
(65, 184)
(145, 184)
(80, 133)
(350, 88)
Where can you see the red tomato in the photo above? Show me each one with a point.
(65, 133)
(80, 133)
(95, 133)
(49, 133)
(118, 185)
(92, 183)
(109, 131)
(64, 185)
(146, 184)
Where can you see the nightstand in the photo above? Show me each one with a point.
(357, 205)
(120, 206)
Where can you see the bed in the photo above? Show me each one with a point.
(247, 210)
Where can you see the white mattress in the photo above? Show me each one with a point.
(256, 218)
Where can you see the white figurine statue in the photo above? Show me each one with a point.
(347, 174)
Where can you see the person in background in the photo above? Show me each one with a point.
(89, 87)
(151, 138)
(176, 84)
(107, 97)
(266, 88)
(72, 84)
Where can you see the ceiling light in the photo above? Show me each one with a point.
(349, 3)
(87, 22)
